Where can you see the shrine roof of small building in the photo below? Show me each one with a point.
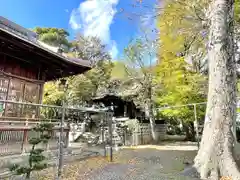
(23, 44)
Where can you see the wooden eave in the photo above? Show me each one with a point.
(52, 65)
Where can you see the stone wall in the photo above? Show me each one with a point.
(142, 134)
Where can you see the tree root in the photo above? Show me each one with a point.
(216, 167)
(205, 162)
(216, 159)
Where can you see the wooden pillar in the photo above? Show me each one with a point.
(39, 101)
(5, 104)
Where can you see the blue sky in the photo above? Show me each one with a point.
(102, 18)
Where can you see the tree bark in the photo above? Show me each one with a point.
(150, 114)
(215, 157)
(190, 131)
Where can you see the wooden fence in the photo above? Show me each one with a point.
(14, 140)
(18, 118)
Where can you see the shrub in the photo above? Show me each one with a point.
(36, 159)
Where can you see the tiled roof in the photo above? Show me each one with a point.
(30, 37)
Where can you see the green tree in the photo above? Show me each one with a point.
(85, 86)
(53, 36)
(92, 49)
(81, 88)
(51, 94)
(89, 48)
(139, 56)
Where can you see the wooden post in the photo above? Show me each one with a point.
(60, 163)
(133, 138)
(196, 124)
(103, 120)
(24, 142)
(47, 144)
(110, 135)
(125, 135)
(141, 135)
(39, 101)
(67, 136)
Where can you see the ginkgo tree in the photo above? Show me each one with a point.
(183, 32)
(181, 80)
(180, 86)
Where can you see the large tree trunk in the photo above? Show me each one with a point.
(215, 157)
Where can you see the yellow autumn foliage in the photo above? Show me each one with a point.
(179, 32)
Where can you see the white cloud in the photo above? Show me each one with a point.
(114, 50)
(73, 22)
(94, 18)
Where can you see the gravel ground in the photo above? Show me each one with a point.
(145, 164)
(131, 164)
(141, 163)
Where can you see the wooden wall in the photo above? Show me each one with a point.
(19, 68)
(19, 81)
